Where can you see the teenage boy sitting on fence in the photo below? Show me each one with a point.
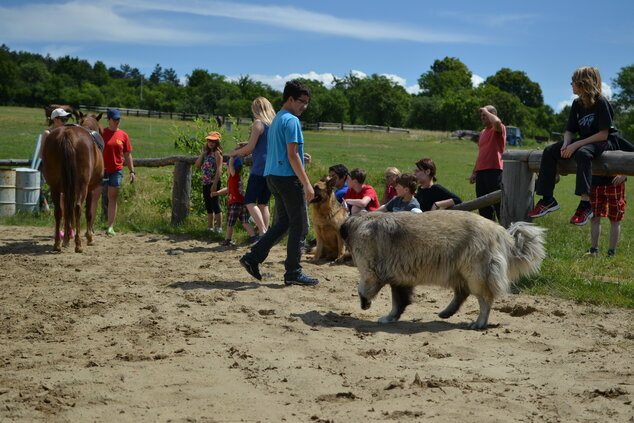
(236, 209)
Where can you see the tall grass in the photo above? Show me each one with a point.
(146, 205)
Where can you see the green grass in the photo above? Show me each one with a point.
(145, 206)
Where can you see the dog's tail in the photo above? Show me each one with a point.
(527, 252)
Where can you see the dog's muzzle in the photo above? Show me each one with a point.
(365, 303)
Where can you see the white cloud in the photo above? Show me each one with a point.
(277, 81)
(304, 20)
(476, 80)
(79, 22)
(606, 89)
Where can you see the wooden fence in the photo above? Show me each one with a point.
(516, 196)
(326, 126)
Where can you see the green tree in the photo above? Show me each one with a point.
(446, 75)
(100, 74)
(9, 76)
(156, 75)
(518, 84)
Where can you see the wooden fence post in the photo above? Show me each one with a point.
(518, 187)
(181, 191)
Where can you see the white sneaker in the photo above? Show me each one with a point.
(218, 230)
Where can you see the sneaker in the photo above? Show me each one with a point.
(301, 279)
(218, 230)
(543, 208)
(592, 252)
(228, 243)
(252, 268)
(211, 229)
(581, 217)
(110, 232)
(611, 252)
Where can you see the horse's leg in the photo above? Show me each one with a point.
(56, 198)
(89, 217)
(77, 223)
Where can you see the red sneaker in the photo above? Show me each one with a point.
(542, 208)
(581, 217)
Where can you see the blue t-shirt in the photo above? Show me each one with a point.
(339, 193)
(285, 129)
(259, 153)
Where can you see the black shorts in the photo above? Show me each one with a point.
(212, 205)
(257, 190)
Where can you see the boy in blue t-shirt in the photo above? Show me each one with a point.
(290, 186)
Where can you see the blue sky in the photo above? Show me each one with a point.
(276, 40)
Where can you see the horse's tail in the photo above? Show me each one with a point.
(69, 175)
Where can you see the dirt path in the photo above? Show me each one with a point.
(146, 327)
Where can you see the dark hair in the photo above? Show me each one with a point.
(408, 181)
(339, 169)
(358, 175)
(427, 164)
(295, 89)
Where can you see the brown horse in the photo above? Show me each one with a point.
(72, 164)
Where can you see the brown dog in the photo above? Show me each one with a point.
(328, 216)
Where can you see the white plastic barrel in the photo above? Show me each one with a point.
(27, 190)
(7, 192)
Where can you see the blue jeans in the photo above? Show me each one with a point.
(290, 216)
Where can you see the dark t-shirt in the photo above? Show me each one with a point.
(587, 122)
(428, 196)
(602, 180)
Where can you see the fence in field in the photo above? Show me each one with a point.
(225, 120)
(516, 196)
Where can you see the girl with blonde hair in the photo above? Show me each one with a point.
(258, 195)
(591, 119)
(389, 191)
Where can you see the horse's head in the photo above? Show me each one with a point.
(90, 121)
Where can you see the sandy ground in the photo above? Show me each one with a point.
(146, 327)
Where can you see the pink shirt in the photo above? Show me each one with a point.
(491, 145)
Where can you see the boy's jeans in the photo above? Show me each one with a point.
(290, 216)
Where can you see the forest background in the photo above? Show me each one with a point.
(448, 100)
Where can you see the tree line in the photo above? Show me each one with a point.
(447, 101)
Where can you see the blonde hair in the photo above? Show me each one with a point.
(588, 82)
(393, 171)
(263, 110)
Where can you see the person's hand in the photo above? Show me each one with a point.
(472, 178)
(213, 194)
(132, 177)
(307, 158)
(309, 192)
(568, 151)
(619, 179)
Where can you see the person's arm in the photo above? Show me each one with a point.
(292, 152)
(218, 156)
(223, 191)
(256, 130)
(128, 160)
(359, 202)
(443, 204)
(568, 149)
(494, 120)
(44, 136)
(231, 167)
(201, 157)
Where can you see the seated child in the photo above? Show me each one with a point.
(430, 195)
(339, 173)
(235, 204)
(404, 200)
(359, 196)
(389, 192)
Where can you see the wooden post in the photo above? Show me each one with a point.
(181, 191)
(518, 187)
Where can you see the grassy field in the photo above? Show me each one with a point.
(145, 206)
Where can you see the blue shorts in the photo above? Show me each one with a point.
(257, 191)
(113, 179)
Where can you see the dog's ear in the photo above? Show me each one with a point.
(325, 178)
(330, 184)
